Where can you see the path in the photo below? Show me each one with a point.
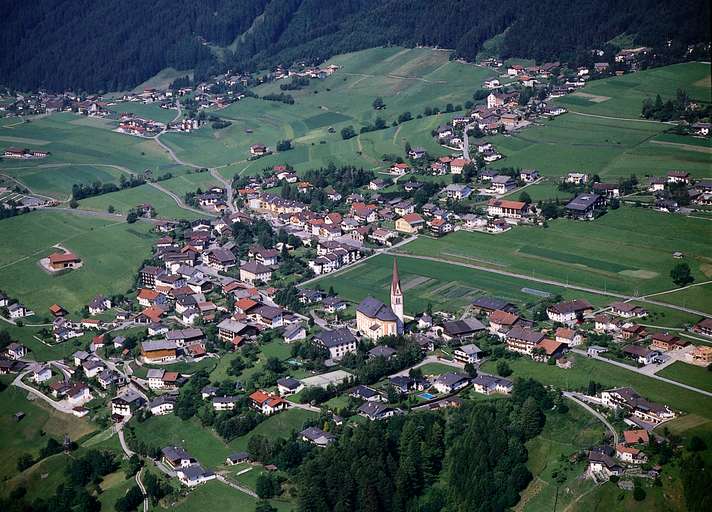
(178, 200)
(638, 370)
(595, 291)
(124, 446)
(29, 190)
(237, 487)
(621, 118)
(143, 490)
(228, 187)
(574, 397)
(59, 406)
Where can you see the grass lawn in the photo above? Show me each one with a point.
(445, 286)
(31, 434)
(207, 363)
(146, 110)
(111, 252)
(628, 250)
(585, 370)
(56, 180)
(217, 496)
(204, 444)
(689, 374)
(279, 425)
(114, 486)
(437, 368)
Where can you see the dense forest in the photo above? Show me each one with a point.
(100, 45)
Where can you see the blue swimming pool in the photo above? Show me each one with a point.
(426, 396)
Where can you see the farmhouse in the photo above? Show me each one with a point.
(338, 342)
(569, 312)
(175, 457)
(459, 329)
(665, 342)
(126, 403)
(627, 310)
(159, 351)
(501, 184)
(628, 400)
(704, 327)
(469, 353)
(410, 223)
(267, 403)
(507, 209)
(194, 475)
(253, 272)
(162, 405)
(523, 340)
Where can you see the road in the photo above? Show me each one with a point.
(638, 370)
(62, 406)
(574, 397)
(228, 187)
(143, 490)
(124, 446)
(178, 200)
(553, 282)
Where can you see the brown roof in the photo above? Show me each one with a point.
(502, 317)
(550, 346)
(62, 257)
(636, 436)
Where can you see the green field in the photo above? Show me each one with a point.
(111, 252)
(628, 250)
(626, 93)
(586, 369)
(280, 425)
(696, 376)
(30, 434)
(443, 285)
(145, 110)
(56, 180)
(218, 496)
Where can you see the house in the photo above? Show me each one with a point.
(289, 386)
(702, 354)
(224, 403)
(78, 394)
(374, 319)
(383, 351)
(488, 384)
(630, 454)
(99, 304)
(399, 169)
(584, 206)
(457, 165)
(63, 260)
(334, 304)
(656, 184)
(158, 351)
(92, 367)
(126, 403)
(237, 458)
(457, 191)
(108, 378)
(568, 336)
(501, 184)
(410, 223)
(500, 322)
(569, 312)
(208, 392)
(366, 393)
(549, 349)
(194, 475)
(641, 355)
(317, 437)
(253, 271)
(600, 463)
(469, 353)
(523, 339)
(450, 382)
(595, 350)
(506, 208)
(294, 332)
(220, 259)
(638, 436)
(608, 190)
(338, 342)
(16, 351)
(57, 311)
(228, 329)
(175, 457)
(405, 383)
(576, 178)
(376, 411)
(627, 310)
(665, 342)
(460, 329)
(627, 399)
(17, 310)
(529, 175)
(267, 403)
(258, 150)
(489, 304)
(678, 177)
(42, 374)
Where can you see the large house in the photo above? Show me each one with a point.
(376, 411)
(338, 342)
(506, 208)
(159, 351)
(450, 382)
(584, 206)
(253, 271)
(523, 340)
(488, 384)
(469, 353)
(410, 223)
(569, 312)
(126, 403)
(267, 403)
(627, 399)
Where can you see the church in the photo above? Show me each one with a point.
(374, 319)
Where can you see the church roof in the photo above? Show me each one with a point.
(395, 281)
(374, 308)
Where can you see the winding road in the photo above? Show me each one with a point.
(574, 398)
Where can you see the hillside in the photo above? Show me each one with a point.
(101, 45)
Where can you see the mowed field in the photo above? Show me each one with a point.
(445, 286)
(56, 180)
(623, 96)
(145, 110)
(628, 250)
(111, 252)
(407, 80)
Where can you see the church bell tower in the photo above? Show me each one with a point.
(397, 296)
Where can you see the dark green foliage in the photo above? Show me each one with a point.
(503, 369)
(681, 274)
(130, 501)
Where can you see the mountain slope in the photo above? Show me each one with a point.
(103, 45)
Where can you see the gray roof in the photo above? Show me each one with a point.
(314, 433)
(463, 327)
(374, 308)
(492, 303)
(183, 334)
(381, 351)
(148, 346)
(470, 349)
(232, 325)
(528, 335)
(289, 383)
(451, 379)
(373, 409)
(490, 381)
(195, 472)
(255, 268)
(161, 400)
(583, 202)
(364, 391)
(335, 338)
(155, 373)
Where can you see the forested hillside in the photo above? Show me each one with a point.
(103, 45)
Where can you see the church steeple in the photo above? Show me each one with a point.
(397, 295)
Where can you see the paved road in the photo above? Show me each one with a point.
(124, 446)
(306, 407)
(594, 291)
(574, 397)
(62, 406)
(637, 370)
(228, 187)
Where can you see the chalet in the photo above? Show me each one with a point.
(162, 405)
(439, 227)
(666, 342)
(294, 332)
(18, 310)
(377, 184)
(600, 463)
(229, 329)
(63, 260)
(224, 403)
(703, 327)
(488, 384)
(457, 191)
(523, 340)
(78, 394)
(405, 383)
(549, 349)
(628, 400)
(417, 153)
(576, 178)
(584, 206)
(638, 436)
(338, 342)
(258, 150)
(99, 304)
(608, 190)
(399, 169)
(450, 382)
(334, 304)
(469, 353)
(158, 351)
(457, 165)
(194, 475)
(500, 322)
(253, 272)
(317, 437)
(126, 403)
(237, 458)
(411, 223)
(366, 393)
(109, 378)
(507, 209)
(267, 403)
(41, 374)
(569, 312)
(678, 177)
(220, 259)
(175, 457)
(92, 367)
(630, 454)
(501, 184)
(147, 276)
(568, 336)
(656, 184)
(183, 337)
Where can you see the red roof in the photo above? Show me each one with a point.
(145, 293)
(412, 218)
(245, 304)
(259, 397)
(63, 257)
(504, 203)
(636, 436)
